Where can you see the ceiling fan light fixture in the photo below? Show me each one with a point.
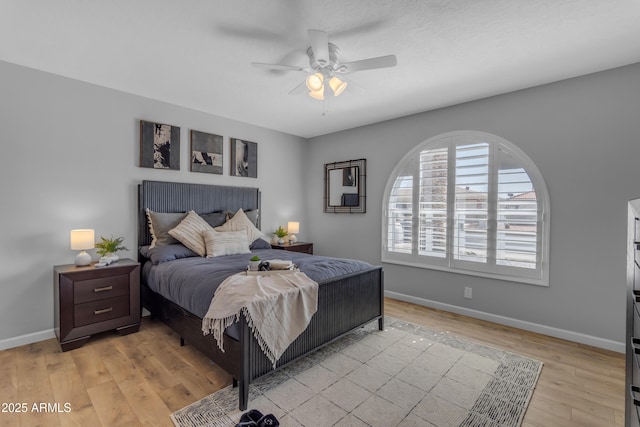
(337, 85)
(317, 94)
(314, 82)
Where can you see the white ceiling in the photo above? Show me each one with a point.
(198, 53)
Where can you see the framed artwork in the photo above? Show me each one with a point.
(244, 158)
(159, 146)
(206, 152)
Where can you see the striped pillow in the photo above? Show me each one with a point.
(189, 232)
(240, 221)
(220, 243)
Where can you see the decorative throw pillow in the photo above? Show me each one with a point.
(220, 243)
(215, 219)
(252, 214)
(240, 221)
(260, 243)
(159, 225)
(189, 232)
(165, 253)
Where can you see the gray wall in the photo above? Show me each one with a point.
(70, 155)
(584, 136)
(69, 160)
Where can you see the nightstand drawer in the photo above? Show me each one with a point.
(100, 289)
(303, 247)
(98, 311)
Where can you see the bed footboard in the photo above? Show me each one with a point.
(344, 304)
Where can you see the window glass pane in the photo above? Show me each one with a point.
(432, 234)
(400, 215)
(471, 210)
(516, 240)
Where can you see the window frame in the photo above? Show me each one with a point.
(491, 269)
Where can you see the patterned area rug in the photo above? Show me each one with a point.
(403, 376)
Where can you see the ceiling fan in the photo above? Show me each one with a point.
(325, 66)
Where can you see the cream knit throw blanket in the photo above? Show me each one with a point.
(278, 308)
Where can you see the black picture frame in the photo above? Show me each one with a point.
(159, 146)
(244, 158)
(206, 152)
(345, 187)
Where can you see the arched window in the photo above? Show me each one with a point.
(468, 202)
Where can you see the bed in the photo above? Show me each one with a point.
(346, 302)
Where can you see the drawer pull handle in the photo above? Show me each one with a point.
(634, 390)
(106, 288)
(104, 310)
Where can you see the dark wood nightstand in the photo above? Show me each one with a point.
(89, 300)
(304, 247)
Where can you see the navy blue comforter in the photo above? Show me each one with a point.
(191, 282)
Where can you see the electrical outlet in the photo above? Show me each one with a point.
(467, 292)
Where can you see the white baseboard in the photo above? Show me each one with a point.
(508, 321)
(37, 336)
(26, 339)
(520, 324)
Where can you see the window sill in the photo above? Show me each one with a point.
(526, 280)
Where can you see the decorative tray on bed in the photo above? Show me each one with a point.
(271, 272)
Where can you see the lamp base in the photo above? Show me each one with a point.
(83, 258)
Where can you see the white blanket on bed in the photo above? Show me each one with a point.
(277, 307)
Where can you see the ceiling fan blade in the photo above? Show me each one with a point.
(368, 64)
(319, 45)
(301, 88)
(279, 67)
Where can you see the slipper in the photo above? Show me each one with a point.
(247, 424)
(268, 421)
(252, 415)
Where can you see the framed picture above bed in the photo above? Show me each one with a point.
(244, 158)
(206, 152)
(159, 146)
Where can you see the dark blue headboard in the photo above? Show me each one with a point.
(162, 196)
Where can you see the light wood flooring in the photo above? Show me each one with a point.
(139, 379)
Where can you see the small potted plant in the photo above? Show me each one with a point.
(254, 263)
(281, 233)
(107, 248)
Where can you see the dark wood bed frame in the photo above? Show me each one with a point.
(344, 303)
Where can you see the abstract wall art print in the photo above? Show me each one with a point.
(159, 146)
(206, 152)
(244, 158)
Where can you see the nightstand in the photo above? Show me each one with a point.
(304, 247)
(89, 300)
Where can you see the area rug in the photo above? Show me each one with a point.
(403, 376)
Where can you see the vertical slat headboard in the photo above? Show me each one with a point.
(160, 196)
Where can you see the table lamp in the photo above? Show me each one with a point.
(81, 240)
(293, 228)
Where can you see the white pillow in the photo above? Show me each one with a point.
(240, 221)
(189, 232)
(220, 243)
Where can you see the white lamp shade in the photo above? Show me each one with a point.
(83, 239)
(293, 227)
